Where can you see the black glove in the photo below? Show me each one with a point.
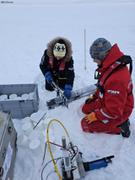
(90, 99)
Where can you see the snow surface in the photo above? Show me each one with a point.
(25, 29)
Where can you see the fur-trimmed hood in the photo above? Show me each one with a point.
(67, 43)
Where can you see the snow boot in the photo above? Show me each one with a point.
(125, 131)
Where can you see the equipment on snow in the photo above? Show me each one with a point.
(99, 163)
(73, 168)
(77, 94)
(8, 137)
(60, 93)
(71, 163)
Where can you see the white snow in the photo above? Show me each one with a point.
(25, 29)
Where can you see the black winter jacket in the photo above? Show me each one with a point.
(61, 70)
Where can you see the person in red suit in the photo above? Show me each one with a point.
(108, 110)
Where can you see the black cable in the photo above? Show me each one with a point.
(40, 120)
(56, 159)
(45, 149)
(49, 174)
(74, 152)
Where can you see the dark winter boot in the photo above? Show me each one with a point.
(125, 131)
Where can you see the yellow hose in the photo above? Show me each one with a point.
(49, 146)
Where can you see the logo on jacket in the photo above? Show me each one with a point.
(113, 92)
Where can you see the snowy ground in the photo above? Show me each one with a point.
(25, 29)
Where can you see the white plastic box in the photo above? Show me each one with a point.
(20, 100)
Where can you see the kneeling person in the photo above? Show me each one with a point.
(57, 65)
(109, 109)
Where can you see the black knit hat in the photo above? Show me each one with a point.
(99, 48)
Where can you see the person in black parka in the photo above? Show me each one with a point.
(57, 65)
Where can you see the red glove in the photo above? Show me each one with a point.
(91, 118)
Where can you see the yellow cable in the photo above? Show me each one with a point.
(49, 146)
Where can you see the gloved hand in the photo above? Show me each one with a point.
(89, 99)
(67, 91)
(91, 118)
(48, 77)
